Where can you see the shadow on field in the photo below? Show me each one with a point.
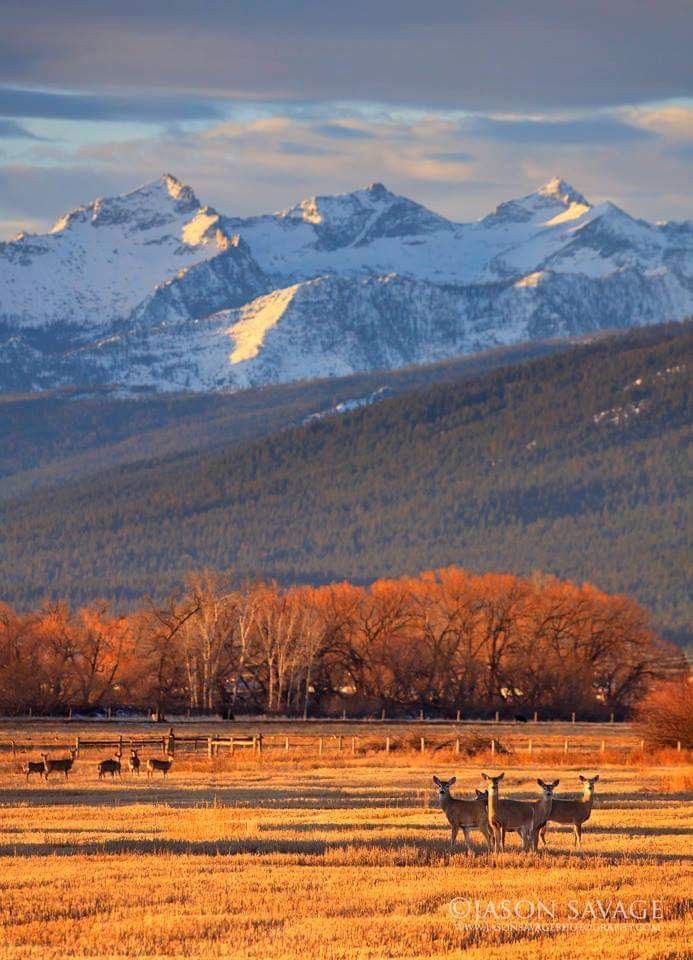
(411, 851)
(261, 797)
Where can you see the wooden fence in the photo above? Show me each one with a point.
(335, 744)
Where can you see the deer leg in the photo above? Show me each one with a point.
(453, 836)
(467, 838)
(578, 834)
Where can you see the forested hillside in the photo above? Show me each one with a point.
(48, 438)
(571, 464)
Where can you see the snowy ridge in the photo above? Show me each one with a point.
(154, 289)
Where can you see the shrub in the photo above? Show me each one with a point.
(666, 714)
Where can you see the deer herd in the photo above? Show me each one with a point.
(494, 816)
(489, 813)
(112, 766)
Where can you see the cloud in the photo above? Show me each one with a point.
(339, 131)
(481, 55)
(458, 156)
(142, 108)
(579, 132)
(11, 130)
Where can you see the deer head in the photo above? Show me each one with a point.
(444, 787)
(588, 786)
(547, 788)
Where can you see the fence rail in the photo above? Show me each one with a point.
(335, 744)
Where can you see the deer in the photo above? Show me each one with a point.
(573, 812)
(157, 763)
(112, 765)
(134, 761)
(464, 814)
(63, 764)
(33, 766)
(542, 809)
(504, 815)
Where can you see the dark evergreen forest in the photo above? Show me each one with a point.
(572, 464)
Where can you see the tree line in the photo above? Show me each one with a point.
(443, 641)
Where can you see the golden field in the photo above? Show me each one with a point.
(334, 856)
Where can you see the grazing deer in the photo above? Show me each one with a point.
(63, 764)
(112, 765)
(134, 761)
(542, 809)
(465, 814)
(504, 815)
(33, 766)
(155, 763)
(573, 812)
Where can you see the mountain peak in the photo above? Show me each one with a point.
(559, 189)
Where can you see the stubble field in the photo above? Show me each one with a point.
(336, 856)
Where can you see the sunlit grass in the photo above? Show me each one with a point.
(247, 858)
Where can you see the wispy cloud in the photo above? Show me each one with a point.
(140, 108)
(12, 130)
(579, 132)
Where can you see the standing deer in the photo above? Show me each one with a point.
(112, 765)
(464, 814)
(33, 766)
(504, 815)
(63, 764)
(573, 812)
(134, 761)
(542, 809)
(155, 763)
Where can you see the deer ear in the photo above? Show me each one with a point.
(555, 783)
(594, 779)
(582, 779)
(485, 776)
(450, 782)
(436, 781)
(540, 782)
(500, 776)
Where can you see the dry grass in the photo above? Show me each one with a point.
(333, 857)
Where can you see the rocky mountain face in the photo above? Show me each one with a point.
(152, 290)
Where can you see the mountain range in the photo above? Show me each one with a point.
(154, 291)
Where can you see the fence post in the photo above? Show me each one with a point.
(171, 741)
(611, 718)
(572, 718)
(343, 714)
(529, 748)
(642, 744)
(678, 746)
(497, 716)
(286, 744)
(457, 746)
(536, 716)
(341, 743)
(423, 744)
(382, 714)
(387, 744)
(77, 745)
(603, 746)
(421, 716)
(565, 747)
(493, 746)
(320, 746)
(459, 716)
(259, 743)
(353, 744)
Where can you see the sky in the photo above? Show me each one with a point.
(260, 103)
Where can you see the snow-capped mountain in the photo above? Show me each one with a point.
(152, 289)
